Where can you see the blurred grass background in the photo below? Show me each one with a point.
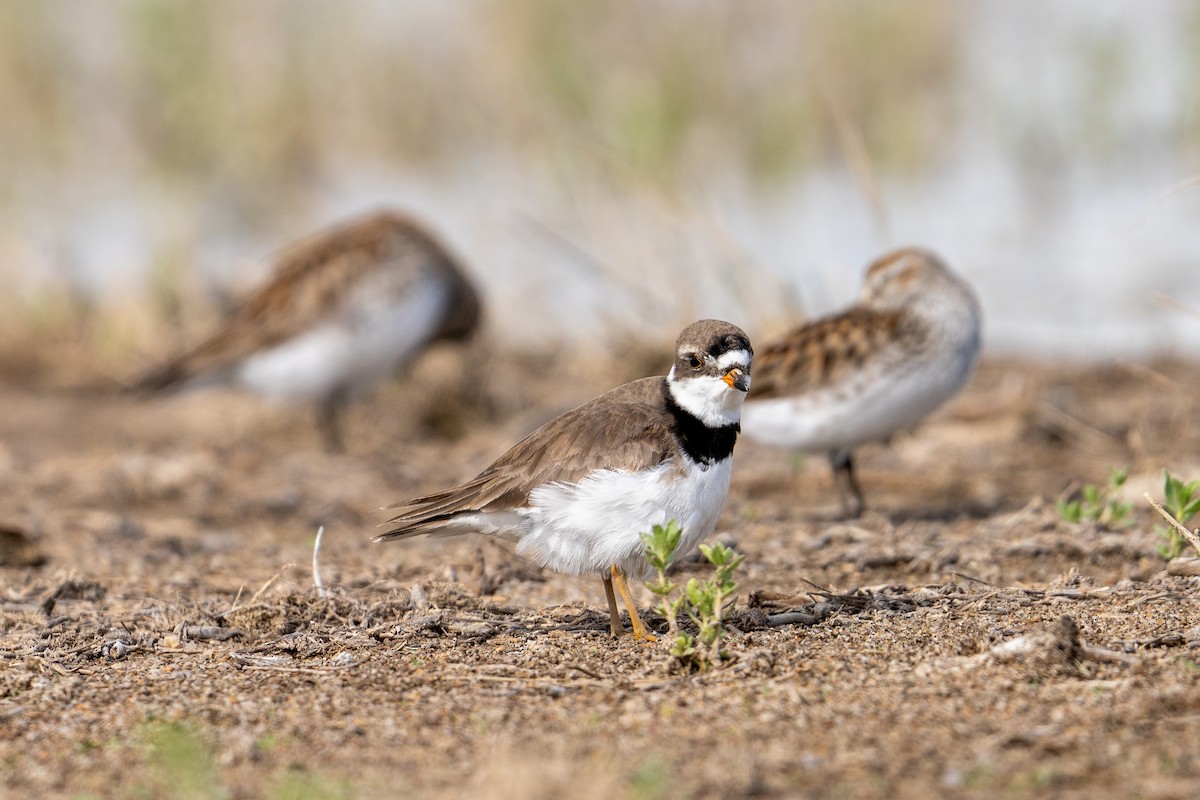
(264, 96)
(632, 165)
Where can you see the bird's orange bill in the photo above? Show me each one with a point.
(737, 378)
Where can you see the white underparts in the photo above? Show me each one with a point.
(358, 350)
(862, 408)
(589, 526)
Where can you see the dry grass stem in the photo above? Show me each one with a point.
(1192, 536)
(267, 585)
(316, 564)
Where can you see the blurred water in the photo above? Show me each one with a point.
(1068, 244)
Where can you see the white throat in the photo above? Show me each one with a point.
(708, 398)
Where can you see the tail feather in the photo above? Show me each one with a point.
(178, 374)
(422, 520)
(470, 496)
(445, 513)
(429, 528)
(209, 362)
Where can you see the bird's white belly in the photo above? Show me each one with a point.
(356, 351)
(590, 526)
(864, 409)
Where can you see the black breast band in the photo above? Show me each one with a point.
(702, 444)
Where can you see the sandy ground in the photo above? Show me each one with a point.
(160, 634)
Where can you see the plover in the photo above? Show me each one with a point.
(906, 347)
(341, 313)
(575, 494)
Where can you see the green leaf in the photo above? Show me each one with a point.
(1190, 510)
(1179, 498)
(661, 543)
(1069, 510)
(684, 646)
(1173, 491)
(717, 554)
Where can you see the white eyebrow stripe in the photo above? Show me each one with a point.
(734, 358)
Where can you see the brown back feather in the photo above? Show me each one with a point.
(624, 429)
(820, 353)
(311, 279)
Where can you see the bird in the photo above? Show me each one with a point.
(342, 312)
(575, 494)
(907, 346)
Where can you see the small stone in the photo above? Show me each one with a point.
(115, 650)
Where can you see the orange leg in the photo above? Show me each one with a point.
(639, 629)
(614, 617)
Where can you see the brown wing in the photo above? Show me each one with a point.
(822, 352)
(309, 282)
(626, 428)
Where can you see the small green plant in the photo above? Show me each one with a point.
(1098, 503)
(1183, 503)
(651, 779)
(180, 763)
(701, 602)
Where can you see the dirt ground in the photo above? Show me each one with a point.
(161, 635)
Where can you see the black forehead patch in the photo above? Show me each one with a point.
(728, 342)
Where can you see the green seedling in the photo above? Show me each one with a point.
(702, 602)
(1098, 503)
(660, 545)
(1182, 500)
(180, 764)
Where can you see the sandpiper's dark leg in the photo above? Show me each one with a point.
(849, 492)
(329, 422)
(614, 617)
(639, 628)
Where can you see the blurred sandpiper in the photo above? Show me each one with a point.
(341, 313)
(906, 347)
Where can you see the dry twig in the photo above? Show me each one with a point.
(1191, 536)
(267, 585)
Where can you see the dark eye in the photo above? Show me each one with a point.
(694, 361)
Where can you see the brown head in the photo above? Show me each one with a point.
(711, 373)
(899, 277)
(704, 348)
